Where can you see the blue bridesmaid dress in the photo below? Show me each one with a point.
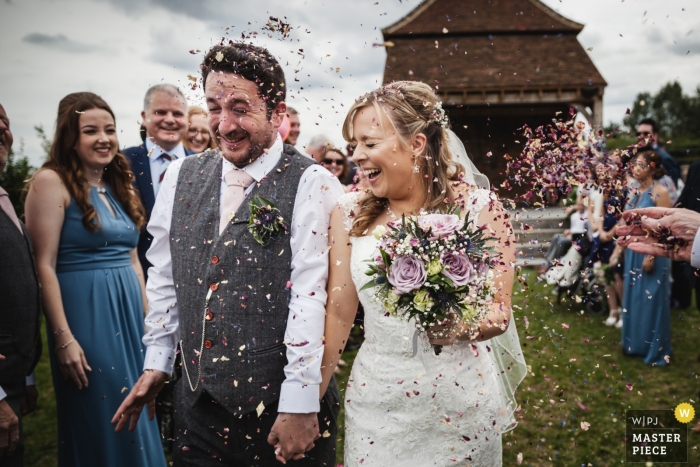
(102, 302)
(646, 302)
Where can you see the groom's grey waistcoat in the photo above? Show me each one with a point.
(242, 343)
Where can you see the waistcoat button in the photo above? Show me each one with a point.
(214, 286)
(208, 344)
(215, 260)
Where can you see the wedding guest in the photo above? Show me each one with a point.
(685, 276)
(608, 216)
(198, 139)
(317, 146)
(336, 163)
(646, 322)
(20, 315)
(648, 135)
(84, 219)
(164, 116)
(294, 127)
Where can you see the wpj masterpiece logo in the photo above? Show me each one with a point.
(658, 436)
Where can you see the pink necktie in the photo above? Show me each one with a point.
(6, 205)
(236, 183)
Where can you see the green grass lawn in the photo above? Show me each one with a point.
(577, 374)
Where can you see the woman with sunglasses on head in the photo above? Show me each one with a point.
(198, 139)
(336, 163)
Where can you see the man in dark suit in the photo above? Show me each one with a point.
(20, 314)
(686, 277)
(165, 120)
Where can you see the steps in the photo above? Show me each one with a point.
(534, 229)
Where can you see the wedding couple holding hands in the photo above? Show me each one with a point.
(259, 263)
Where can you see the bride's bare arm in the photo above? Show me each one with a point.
(341, 306)
(498, 221)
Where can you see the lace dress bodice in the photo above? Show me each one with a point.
(422, 410)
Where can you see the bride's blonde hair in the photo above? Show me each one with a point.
(412, 108)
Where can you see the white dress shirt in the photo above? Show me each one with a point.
(316, 197)
(156, 163)
(695, 252)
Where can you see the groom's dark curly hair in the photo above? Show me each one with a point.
(253, 63)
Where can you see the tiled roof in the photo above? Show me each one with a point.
(498, 61)
(481, 16)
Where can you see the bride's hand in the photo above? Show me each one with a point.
(446, 333)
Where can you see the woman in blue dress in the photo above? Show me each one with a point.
(84, 219)
(646, 320)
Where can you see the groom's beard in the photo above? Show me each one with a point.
(257, 144)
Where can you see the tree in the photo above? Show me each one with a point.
(17, 172)
(677, 114)
(678, 118)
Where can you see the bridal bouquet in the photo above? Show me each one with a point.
(434, 268)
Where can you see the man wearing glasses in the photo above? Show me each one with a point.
(648, 135)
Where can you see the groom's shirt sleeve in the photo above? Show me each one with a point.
(316, 197)
(162, 320)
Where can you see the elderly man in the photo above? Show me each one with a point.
(648, 135)
(20, 313)
(294, 126)
(247, 306)
(316, 148)
(165, 120)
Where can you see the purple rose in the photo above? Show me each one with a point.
(458, 268)
(442, 224)
(407, 273)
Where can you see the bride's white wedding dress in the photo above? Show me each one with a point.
(422, 410)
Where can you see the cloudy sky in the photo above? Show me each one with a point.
(118, 48)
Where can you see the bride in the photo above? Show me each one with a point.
(404, 405)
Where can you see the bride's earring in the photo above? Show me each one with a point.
(416, 169)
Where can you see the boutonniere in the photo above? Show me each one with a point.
(266, 221)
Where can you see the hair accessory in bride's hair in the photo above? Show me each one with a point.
(439, 115)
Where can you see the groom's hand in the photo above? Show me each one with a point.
(144, 392)
(293, 434)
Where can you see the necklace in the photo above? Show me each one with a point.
(390, 212)
(101, 189)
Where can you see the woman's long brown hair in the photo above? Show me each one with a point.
(64, 160)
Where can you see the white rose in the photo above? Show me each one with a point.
(379, 231)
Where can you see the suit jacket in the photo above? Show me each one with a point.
(143, 182)
(690, 196)
(20, 304)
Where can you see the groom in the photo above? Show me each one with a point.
(249, 317)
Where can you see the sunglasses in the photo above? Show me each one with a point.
(643, 133)
(329, 161)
